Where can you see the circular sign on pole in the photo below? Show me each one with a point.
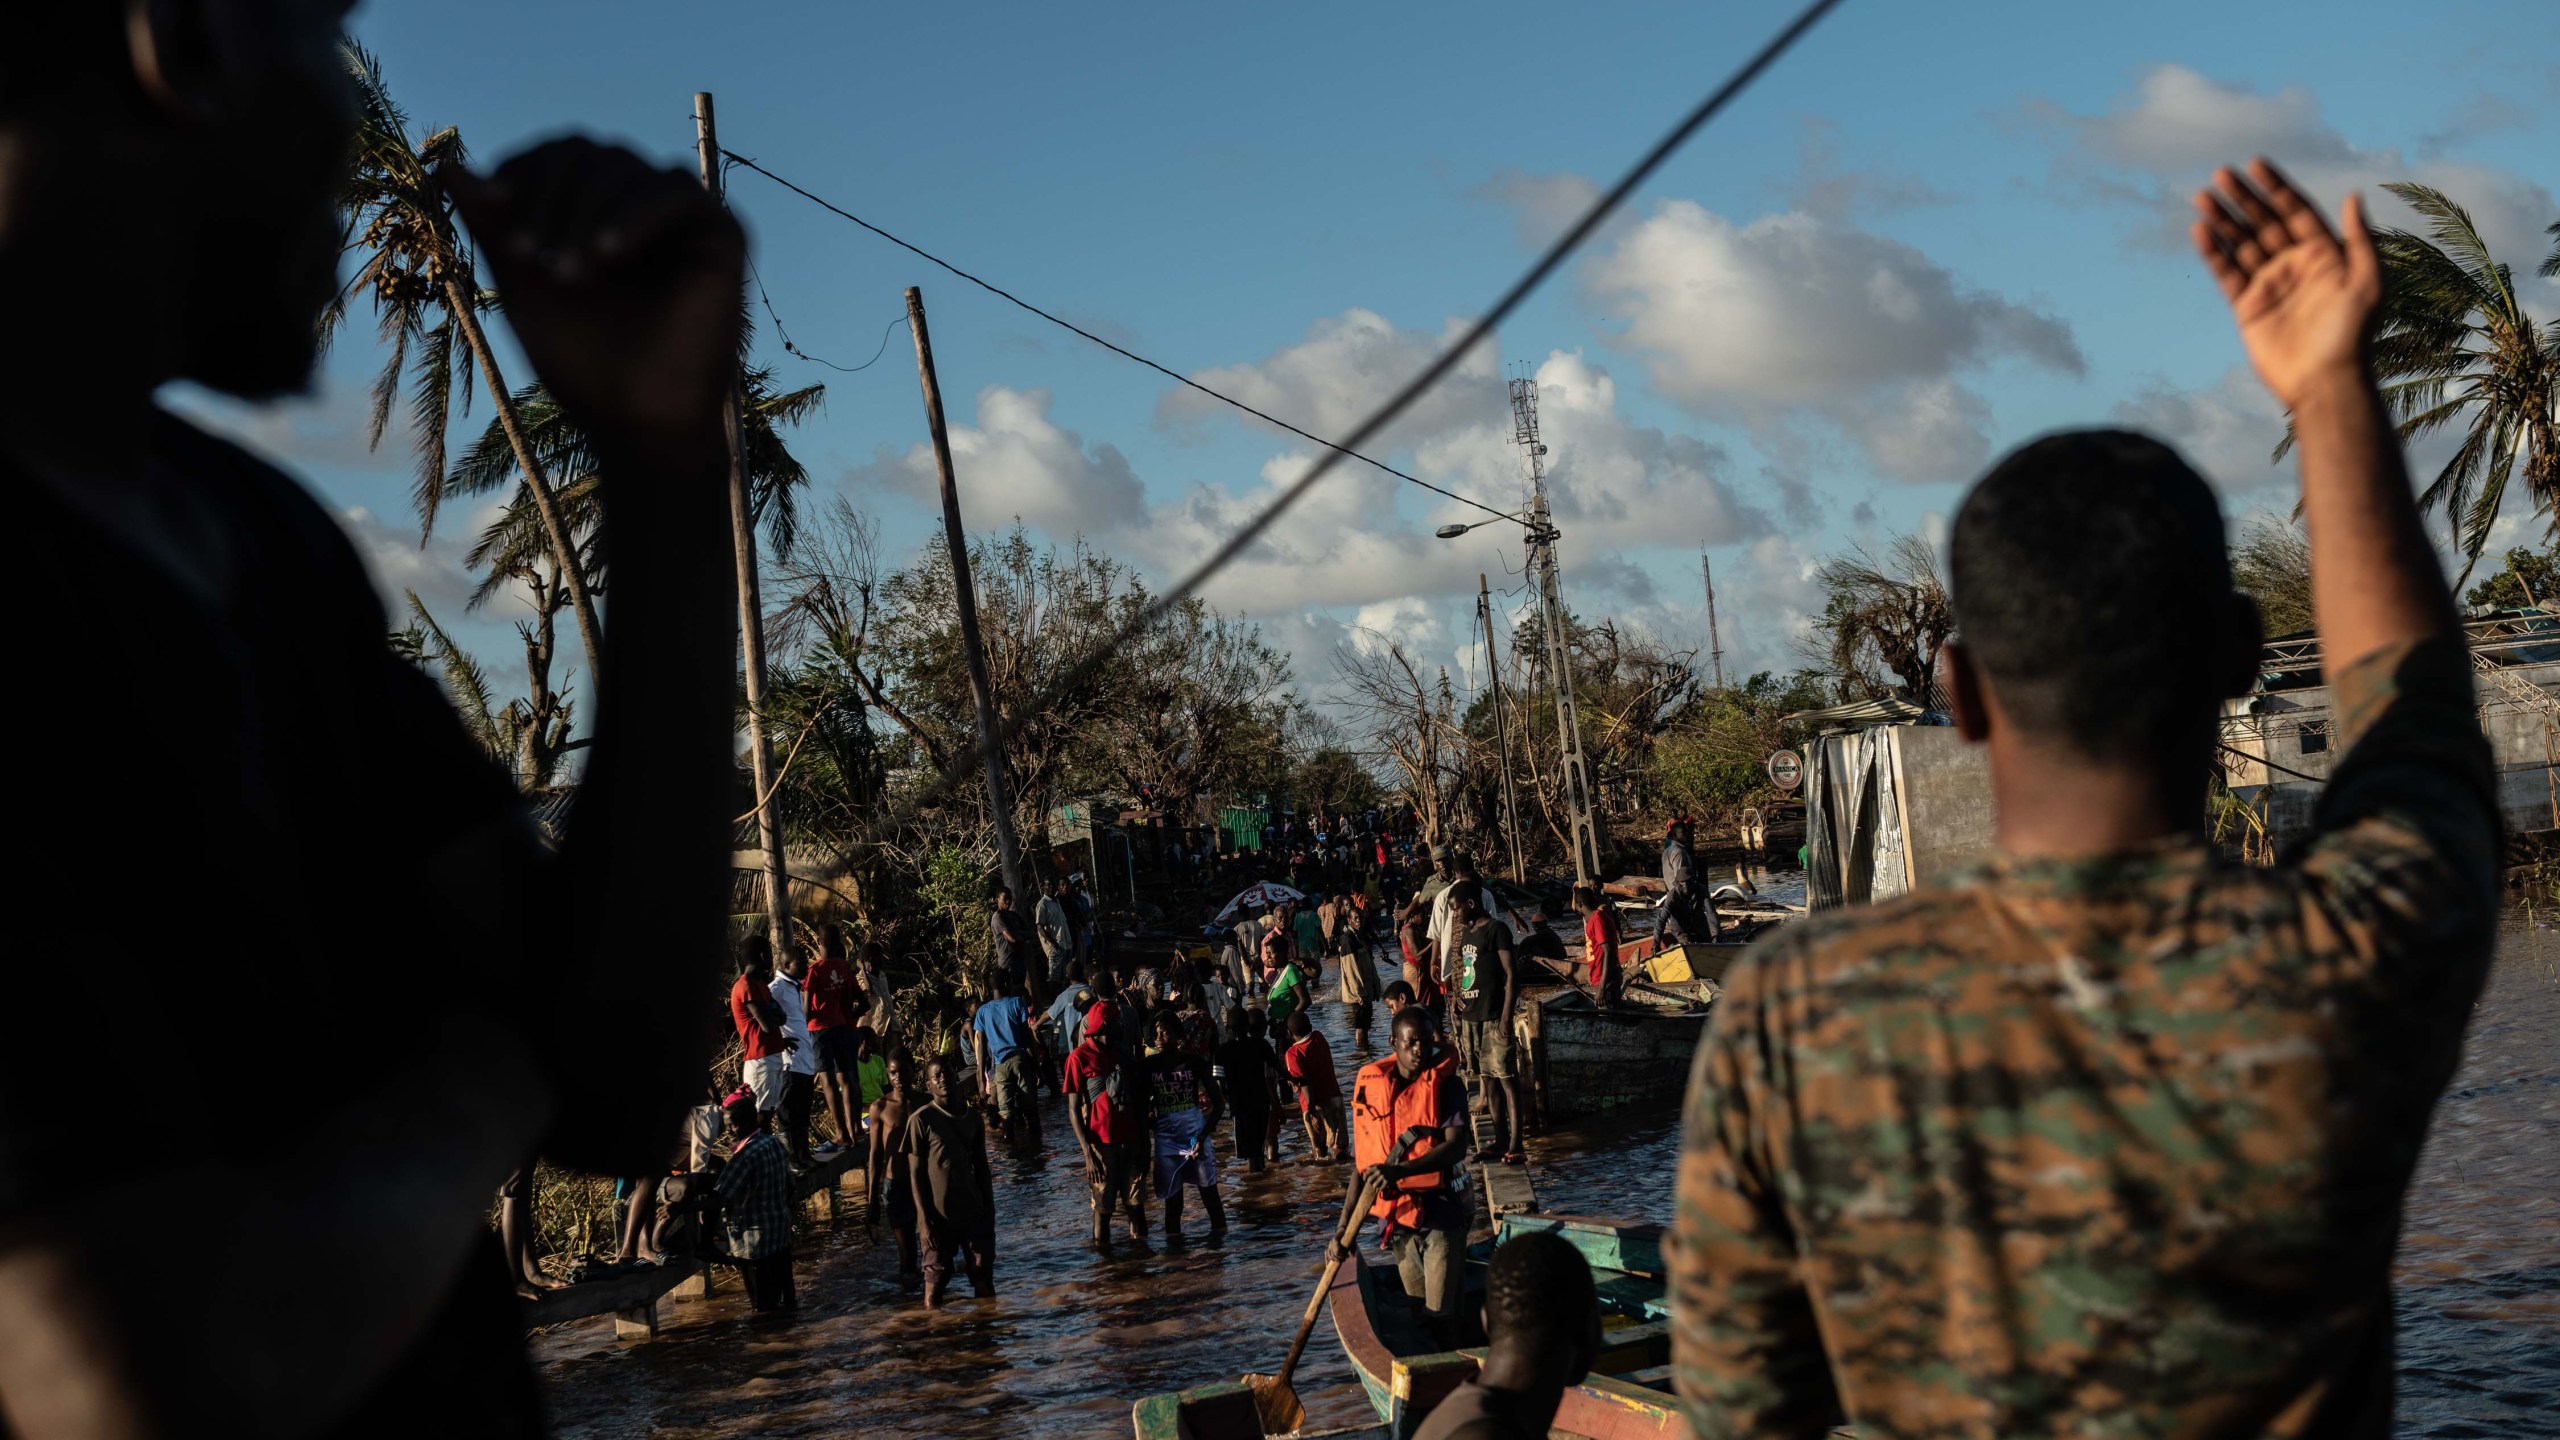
(1786, 771)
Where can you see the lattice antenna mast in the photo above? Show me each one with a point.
(1542, 561)
(1715, 643)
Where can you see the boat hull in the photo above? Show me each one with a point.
(1630, 1057)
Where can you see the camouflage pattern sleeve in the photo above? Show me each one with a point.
(1746, 1356)
(2401, 870)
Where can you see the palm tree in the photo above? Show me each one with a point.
(775, 478)
(418, 271)
(2456, 341)
(1878, 617)
(530, 733)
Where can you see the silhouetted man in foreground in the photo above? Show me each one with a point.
(1542, 1331)
(168, 173)
(2107, 1135)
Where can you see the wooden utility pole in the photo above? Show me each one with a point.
(742, 538)
(965, 596)
(1501, 726)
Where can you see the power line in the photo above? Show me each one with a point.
(791, 349)
(1121, 350)
(1547, 263)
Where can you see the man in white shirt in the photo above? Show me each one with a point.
(1444, 913)
(800, 1076)
(1057, 934)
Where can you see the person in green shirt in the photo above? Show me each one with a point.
(1307, 931)
(1288, 995)
(870, 1067)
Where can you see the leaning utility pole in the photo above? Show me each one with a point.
(965, 598)
(742, 537)
(1542, 559)
(1715, 644)
(1501, 726)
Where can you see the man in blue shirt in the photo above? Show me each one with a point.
(1007, 1045)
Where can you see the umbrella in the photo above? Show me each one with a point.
(1265, 894)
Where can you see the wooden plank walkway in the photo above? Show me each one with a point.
(1507, 1190)
(632, 1297)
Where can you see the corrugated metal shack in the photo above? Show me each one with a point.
(1893, 798)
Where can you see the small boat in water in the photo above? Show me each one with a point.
(1631, 1054)
(1405, 1372)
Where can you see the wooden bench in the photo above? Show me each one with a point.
(631, 1298)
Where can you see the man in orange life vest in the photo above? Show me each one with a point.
(1409, 1129)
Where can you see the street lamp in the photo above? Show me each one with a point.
(1453, 530)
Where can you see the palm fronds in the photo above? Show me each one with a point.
(395, 214)
(2456, 343)
(464, 680)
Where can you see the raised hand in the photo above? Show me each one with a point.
(2304, 299)
(622, 280)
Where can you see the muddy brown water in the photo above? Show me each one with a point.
(1072, 1338)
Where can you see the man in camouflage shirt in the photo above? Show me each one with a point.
(2107, 1137)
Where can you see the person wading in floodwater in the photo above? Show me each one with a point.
(888, 1190)
(527, 999)
(1099, 1098)
(2169, 1104)
(1186, 1151)
(756, 1205)
(954, 1190)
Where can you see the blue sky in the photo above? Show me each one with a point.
(1930, 232)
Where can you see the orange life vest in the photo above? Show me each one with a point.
(1384, 1106)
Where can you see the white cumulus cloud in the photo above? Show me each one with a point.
(1791, 315)
(1017, 462)
(2154, 147)
(2228, 430)
(1346, 367)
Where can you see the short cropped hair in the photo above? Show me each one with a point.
(2092, 586)
(1538, 1290)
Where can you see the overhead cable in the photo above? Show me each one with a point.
(791, 349)
(965, 767)
(1121, 350)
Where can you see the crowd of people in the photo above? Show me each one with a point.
(1175, 1063)
(2106, 1135)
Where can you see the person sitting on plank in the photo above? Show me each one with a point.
(1542, 1331)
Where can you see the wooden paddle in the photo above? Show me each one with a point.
(1273, 1400)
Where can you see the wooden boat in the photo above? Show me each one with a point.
(1631, 1055)
(1627, 1395)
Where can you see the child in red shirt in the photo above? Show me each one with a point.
(1601, 936)
(1310, 1065)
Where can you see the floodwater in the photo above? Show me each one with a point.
(1072, 1338)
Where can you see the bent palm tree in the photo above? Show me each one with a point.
(417, 268)
(2456, 343)
(1889, 616)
